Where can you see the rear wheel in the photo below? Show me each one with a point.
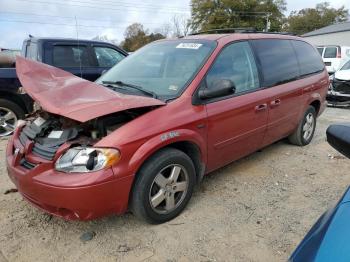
(163, 186)
(9, 115)
(304, 133)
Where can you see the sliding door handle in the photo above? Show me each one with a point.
(275, 103)
(261, 107)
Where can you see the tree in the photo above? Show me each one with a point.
(180, 25)
(215, 14)
(310, 19)
(136, 36)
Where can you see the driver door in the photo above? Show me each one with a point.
(236, 123)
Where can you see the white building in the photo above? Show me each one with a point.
(336, 34)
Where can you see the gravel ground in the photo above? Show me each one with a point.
(256, 209)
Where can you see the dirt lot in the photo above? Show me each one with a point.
(256, 209)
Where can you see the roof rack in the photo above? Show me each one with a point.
(227, 31)
(238, 30)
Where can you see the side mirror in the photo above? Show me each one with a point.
(338, 136)
(221, 87)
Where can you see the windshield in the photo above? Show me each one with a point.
(346, 66)
(163, 68)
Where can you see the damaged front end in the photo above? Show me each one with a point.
(51, 152)
(55, 164)
(339, 92)
(75, 114)
(69, 143)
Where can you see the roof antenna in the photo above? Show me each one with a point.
(76, 27)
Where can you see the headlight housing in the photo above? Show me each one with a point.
(87, 159)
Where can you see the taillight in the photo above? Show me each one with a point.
(338, 53)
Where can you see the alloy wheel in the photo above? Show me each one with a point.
(308, 127)
(169, 189)
(8, 120)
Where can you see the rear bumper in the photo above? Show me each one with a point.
(71, 201)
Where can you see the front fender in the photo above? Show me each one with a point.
(157, 142)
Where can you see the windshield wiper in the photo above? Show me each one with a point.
(139, 88)
(112, 86)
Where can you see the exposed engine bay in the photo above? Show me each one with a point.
(49, 131)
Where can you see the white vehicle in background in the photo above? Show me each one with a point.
(339, 88)
(333, 56)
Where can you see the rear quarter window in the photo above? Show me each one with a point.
(277, 59)
(309, 60)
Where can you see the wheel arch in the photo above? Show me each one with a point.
(317, 105)
(188, 142)
(15, 99)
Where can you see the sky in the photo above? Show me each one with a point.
(89, 18)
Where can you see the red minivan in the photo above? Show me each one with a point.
(147, 131)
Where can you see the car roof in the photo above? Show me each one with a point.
(61, 39)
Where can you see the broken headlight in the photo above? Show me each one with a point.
(86, 159)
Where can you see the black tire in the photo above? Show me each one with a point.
(145, 182)
(298, 138)
(16, 109)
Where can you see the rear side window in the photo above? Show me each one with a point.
(330, 52)
(278, 61)
(309, 60)
(70, 56)
(107, 57)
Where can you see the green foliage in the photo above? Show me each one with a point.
(214, 14)
(310, 19)
(136, 36)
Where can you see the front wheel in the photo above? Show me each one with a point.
(306, 129)
(9, 115)
(163, 186)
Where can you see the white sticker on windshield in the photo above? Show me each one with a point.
(189, 45)
(55, 134)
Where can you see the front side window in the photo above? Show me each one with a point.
(107, 57)
(70, 56)
(235, 63)
(330, 52)
(309, 60)
(164, 68)
(278, 61)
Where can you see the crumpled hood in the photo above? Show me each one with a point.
(60, 92)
